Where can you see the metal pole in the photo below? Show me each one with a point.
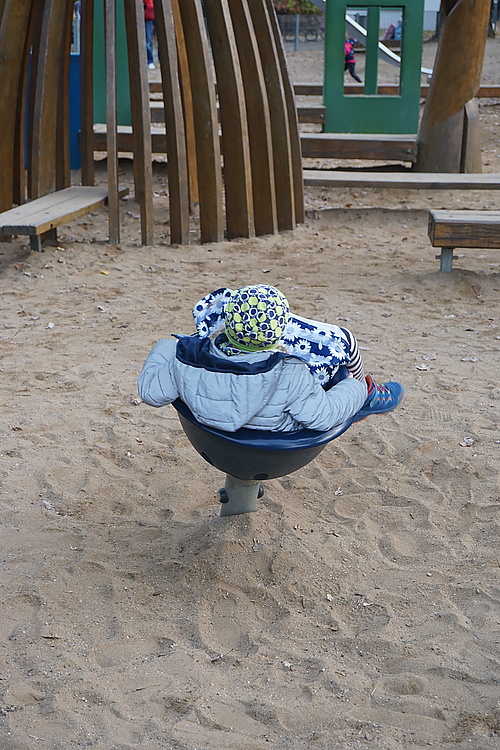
(297, 24)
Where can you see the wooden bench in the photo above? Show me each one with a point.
(451, 229)
(42, 216)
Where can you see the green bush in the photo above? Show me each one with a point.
(295, 7)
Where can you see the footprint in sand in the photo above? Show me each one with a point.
(225, 620)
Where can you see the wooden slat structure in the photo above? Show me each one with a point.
(222, 66)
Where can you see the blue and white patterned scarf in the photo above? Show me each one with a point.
(323, 347)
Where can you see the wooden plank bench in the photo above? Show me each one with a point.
(401, 180)
(450, 229)
(38, 217)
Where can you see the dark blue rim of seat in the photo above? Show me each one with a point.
(264, 439)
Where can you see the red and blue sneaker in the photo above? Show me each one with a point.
(382, 398)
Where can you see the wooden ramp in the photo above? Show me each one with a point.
(401, 180)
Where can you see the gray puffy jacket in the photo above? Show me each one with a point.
(261, 390)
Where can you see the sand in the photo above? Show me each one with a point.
(358, 607)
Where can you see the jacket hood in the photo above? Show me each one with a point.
(221, 399)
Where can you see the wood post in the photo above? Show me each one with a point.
(455, 81)
(141, 118)
(176, 137)
(233, 118)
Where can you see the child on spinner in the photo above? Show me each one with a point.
(254, 364)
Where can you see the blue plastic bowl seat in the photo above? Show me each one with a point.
(255, 454)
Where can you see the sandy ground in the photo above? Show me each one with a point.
(358, 608)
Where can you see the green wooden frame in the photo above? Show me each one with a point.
(369, 112)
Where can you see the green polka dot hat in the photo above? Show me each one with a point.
(255, 317)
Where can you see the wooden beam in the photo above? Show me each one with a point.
(233, 119)
(44, 82)
(260, 139)
(178, 181)
(358, 146)
(295, 151)
(455, 81)
(384, 89)
(280, 128)
(87, 91)
(141, 121)
(63, 157)
(187, 106)
(208, 154)
(14, 25)
(111, 119)
(401, 180)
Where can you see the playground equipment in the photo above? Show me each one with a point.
(220, 60)
(368, 111)
(248, 457)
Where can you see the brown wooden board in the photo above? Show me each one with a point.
(402, 180)
(178, 181)
(125, 141)
(385, 89)
(233, 118)
(52, 210)
(259, 118)
(293, 123)
(141, 121)
(63, 158)
(359, 146)
(464, 229)
(187, 106)
(208, 154)
(14, 24)
(311, 113)
(44, 81)
(87, 91)
(111, 119)
(280, 129)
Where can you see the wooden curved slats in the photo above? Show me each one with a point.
(141, 118)
(176, 137)
(259, 120)
(14, 25)
(44, 82)
(233, 118)
(293, 123)
(208, 153)
(280, 127)
(231, 125)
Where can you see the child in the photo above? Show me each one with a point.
(253, 364)
(350, 60)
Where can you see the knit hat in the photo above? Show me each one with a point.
(255, 317)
